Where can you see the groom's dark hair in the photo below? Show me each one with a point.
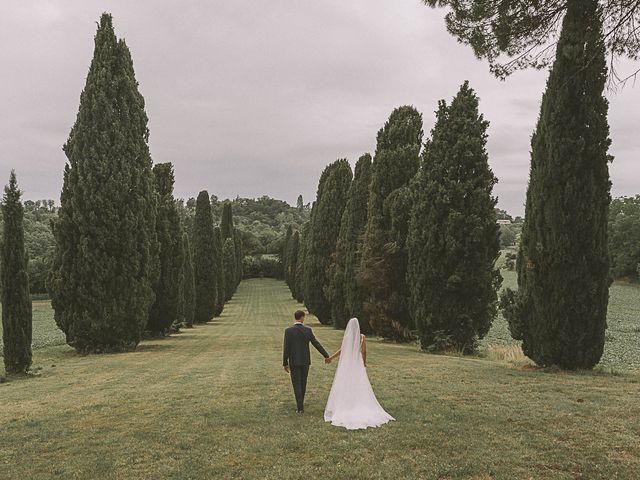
(298, 315)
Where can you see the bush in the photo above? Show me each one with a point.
(261, 266)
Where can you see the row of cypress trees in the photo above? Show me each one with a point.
(410, 242)
(123, 264)
(425, 258)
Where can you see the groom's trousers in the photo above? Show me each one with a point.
(299, 379)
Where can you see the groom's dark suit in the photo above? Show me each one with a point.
(296, 356)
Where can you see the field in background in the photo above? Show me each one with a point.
(214, 402)
(622, 345)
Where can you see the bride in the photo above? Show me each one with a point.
(352, 403)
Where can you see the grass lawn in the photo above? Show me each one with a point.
(214, 402)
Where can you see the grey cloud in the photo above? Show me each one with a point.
(250, 98)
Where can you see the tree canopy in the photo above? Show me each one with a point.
(526, 32)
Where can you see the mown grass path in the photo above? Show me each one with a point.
(214, 402)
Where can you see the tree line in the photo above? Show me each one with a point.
(408, 241)
(123, 264)
(409, 244)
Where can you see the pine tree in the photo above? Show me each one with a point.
(188, 287)
(164, 311)
(454, 240)
(356, 212)
(14, 284)
(323, 236)
(106, 259)
(220, 277)
(204, 261)
(229, 264)
(298, 295)
(560, 309)
(395, 164)
(293, 262)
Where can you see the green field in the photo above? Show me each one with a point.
(213, 402)
(622, 345)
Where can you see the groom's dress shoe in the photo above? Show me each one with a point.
(299, 411)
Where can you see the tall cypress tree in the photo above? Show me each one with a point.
(106, 259)
(180, 310)
(293, 262)
(323, 236)
(221, 282)
(237, 243)
(394, 165)
(284, 254)
(334, 290)
(454, 239)
(560, 309)
(229, 231)
(188, 286)
(302, 256)
(356, 212)
(204, 261)
(14, 284)
(226, 223)
(229, 264)
(164, 310)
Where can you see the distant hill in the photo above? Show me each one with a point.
(262, 221)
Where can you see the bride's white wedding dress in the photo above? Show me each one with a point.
(352, 403)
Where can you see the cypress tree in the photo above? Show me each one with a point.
(237, 241)
(454, 240)
(284, 254)
(229, 264)
(334, 290)
(293, 263)
(229, 231)
(204, 261)
(560, 309)
(302, 256)
(220, 280)
(164, 310)
(106, 259)
(395, 164)
(14, 284)
(226, 223)
(188, 286)
(180, 315)
(356, 212)
(300, 203)
(323, 236)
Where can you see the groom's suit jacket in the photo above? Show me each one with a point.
(296, 346)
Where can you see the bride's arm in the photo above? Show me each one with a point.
(335, 355)
(363, 349)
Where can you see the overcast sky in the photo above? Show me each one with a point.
(254, 97)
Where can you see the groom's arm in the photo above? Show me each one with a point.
(317, 345)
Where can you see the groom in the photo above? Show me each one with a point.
(296, 357)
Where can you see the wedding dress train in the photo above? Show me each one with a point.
(352, 403)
